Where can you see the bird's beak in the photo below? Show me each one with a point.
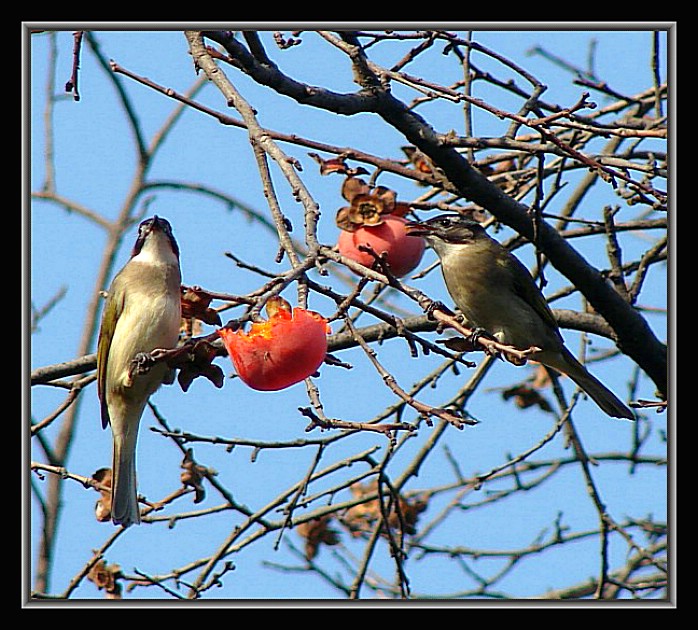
(157, 224)
(415, 228)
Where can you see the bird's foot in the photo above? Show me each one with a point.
(478, 332)
(140, 364)
(437, 306)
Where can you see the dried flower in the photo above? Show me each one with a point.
(361, 518)
(337, 165)
(529, 395)
(317, 532)
(105, 576)
(195, 304)
(420, 161)
(367, 205)
(193, 474)
(103, 506)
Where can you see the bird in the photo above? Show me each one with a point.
(142, 313)
(496, 294)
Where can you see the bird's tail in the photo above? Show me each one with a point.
(124, 502)
(599, 393)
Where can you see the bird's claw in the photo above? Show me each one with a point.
(140, 364)
(473, 338)
(437, 306)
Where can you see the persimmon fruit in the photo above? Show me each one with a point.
(403, 252)
(281, 351)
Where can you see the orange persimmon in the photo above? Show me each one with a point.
(281, 351)
(403, 252)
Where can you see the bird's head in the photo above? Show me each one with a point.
(155, 240)
(447, 228)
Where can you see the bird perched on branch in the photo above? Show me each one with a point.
(142, 313)
(497, 295)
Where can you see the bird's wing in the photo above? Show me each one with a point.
(112, 311)
(525, 287)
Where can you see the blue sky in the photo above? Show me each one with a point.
(95, 161)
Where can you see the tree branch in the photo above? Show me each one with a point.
(633, 335)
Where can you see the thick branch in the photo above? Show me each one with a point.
(632, 333)
(265, 72)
